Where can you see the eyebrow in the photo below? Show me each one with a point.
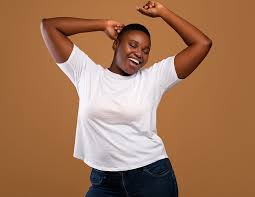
(139, 43)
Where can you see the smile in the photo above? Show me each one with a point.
(133, 64)
(135, 61)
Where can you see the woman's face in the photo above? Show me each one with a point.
(131, 52)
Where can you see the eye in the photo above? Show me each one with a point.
(146, 52)
(132, 45)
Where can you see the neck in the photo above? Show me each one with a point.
(116, 69)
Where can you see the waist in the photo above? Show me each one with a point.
(163, 161)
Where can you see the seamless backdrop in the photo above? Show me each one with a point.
(206, 122)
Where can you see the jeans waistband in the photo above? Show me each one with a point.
(161, 161)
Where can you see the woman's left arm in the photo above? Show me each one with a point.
(187, 60)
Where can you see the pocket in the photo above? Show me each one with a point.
(159, 168)
(96, 177)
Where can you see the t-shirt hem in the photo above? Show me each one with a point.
(90, 164)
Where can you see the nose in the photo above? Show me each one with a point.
(138, 53)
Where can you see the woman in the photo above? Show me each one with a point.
(116, 126)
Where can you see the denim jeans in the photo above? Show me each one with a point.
(154, 180)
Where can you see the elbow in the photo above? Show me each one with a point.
(48, 24)
(43, 23)
(45, 26)
(43, 20)
(207, 42)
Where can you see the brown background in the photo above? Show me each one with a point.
(206, 121)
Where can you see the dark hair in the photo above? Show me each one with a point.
(133, 26)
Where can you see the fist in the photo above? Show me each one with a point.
(112, 28)
(151, 8)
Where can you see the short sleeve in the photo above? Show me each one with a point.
(77, 63)
(164, 74)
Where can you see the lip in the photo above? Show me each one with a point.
(133, 65)
(140, 60)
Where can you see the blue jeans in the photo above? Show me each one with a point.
(154, 180)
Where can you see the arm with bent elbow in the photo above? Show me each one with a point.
(55, 32)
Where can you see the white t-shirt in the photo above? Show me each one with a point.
(116, 123)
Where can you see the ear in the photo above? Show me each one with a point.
(115, 44)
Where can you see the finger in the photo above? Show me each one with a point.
(152, 3)
(120, 25)
(145, 7)
(143, 11)
(148, 3)
(114, 37)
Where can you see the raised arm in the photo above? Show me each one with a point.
(55, 32)
(187, 60)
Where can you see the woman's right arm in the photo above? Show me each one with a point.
(55, 32)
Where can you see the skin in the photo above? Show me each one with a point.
(135, 44)
(198, 44)
(55, 32)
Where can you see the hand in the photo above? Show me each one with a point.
(113, 28)
(151, 8)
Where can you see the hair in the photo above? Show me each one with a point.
(131, 27)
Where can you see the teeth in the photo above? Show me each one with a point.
(134, 60)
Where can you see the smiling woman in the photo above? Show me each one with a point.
(131, 50)
(116, 133)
